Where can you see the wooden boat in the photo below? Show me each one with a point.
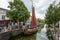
(30, 31)
(33, 28)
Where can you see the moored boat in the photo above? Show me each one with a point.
(30, 31)
(33, 28)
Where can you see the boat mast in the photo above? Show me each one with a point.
(33, 16)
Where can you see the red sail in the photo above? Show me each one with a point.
(33, 18)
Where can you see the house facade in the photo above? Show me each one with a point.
(3, 14)
(3, 20)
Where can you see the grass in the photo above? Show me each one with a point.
(30, 37)
(24, 37)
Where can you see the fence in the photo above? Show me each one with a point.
(55, 34)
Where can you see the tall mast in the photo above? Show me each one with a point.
(32, 3)
(33, 16)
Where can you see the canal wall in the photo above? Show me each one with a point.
(4, 36)
(53, 35)
(7, 35)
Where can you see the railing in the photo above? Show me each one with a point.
(10, 28)
(55, 34)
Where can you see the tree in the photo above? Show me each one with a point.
(40, 20)
(52, 14)
(18, 11)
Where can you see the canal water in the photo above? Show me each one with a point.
(42, 34)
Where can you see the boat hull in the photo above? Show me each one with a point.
(30, 31)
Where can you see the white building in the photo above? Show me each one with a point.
(3, 14)
(3, 20)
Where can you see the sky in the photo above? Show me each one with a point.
(40, 6)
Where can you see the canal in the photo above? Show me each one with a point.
(40, 35)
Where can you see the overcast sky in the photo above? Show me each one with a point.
(40, 6)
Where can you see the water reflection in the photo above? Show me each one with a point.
(42, 34)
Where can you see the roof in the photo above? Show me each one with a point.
(3, 8)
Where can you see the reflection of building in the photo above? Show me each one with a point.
(3, 19)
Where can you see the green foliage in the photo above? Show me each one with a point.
(40, 20)
(52, 14)
(18, 11)
(24, 37)
(49, 34)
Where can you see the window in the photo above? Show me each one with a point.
(2, 11)
(3, 17)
